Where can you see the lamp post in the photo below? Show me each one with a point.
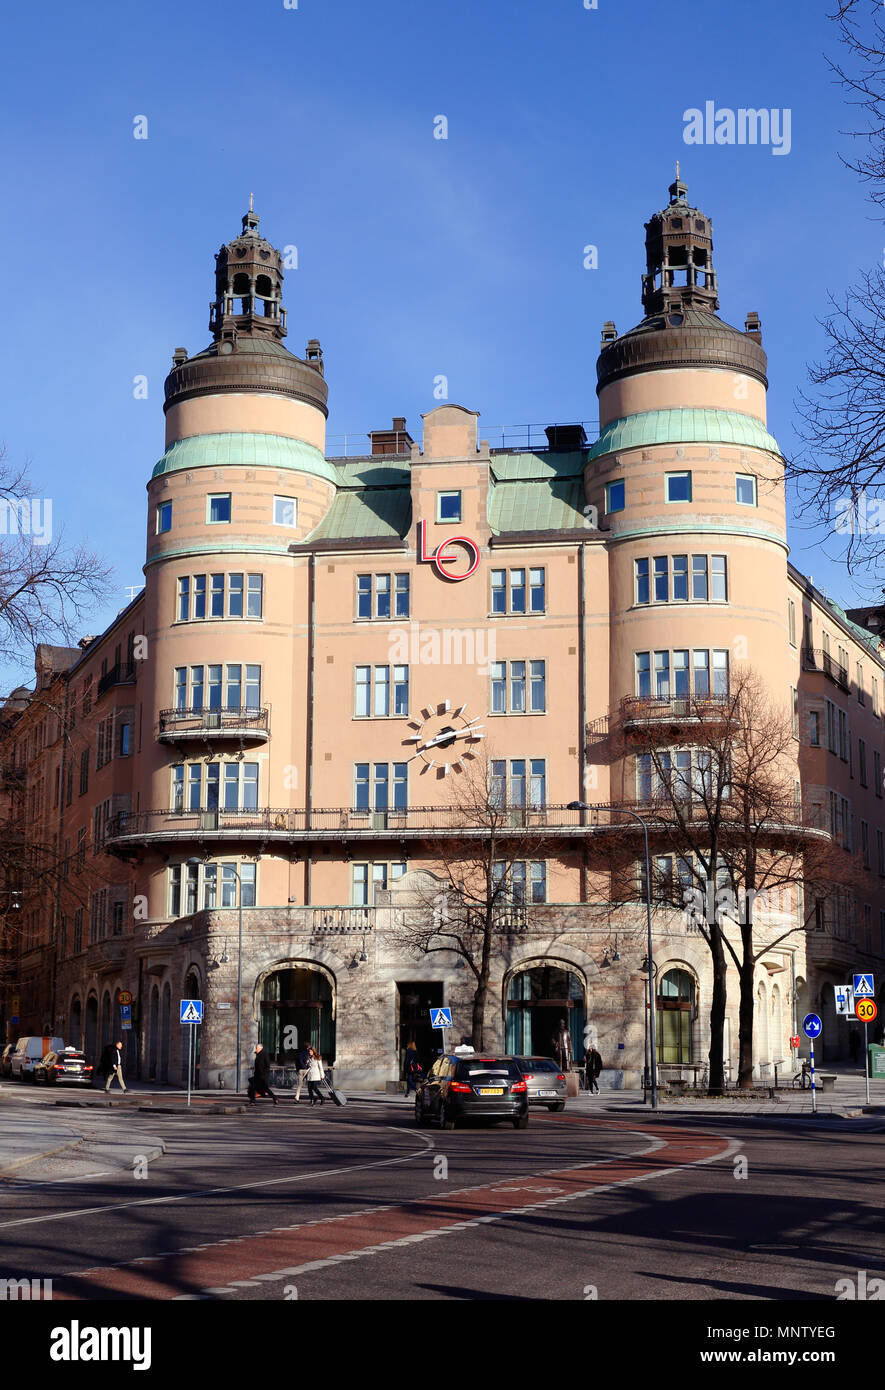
(239, 964)
(625, 811)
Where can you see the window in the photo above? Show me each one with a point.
(877, 772)
(526, 778)
(745, 489)
(861, 696)
(124, 746)
(677, 487)
(510, 694)
(84, 771)
(254, 595)
(285, 511)
(448, 506)
(195, 886)
(814, 728)
(382, 595)
(525, 880)
(225, 595)
(865, 843)
(615, 495)
(791, 621)
(843, 735)
(380, 787)
(794, 705)
(508, 591)
(217, 507)
(372, 691)
(862, 761)
(665, 579)
(206, 786)
(874, 696)
(232, 686)
(880, 853)
(164, 517)
(367, 879)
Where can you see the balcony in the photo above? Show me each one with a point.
(646, 712)
(121, 674)
(131, 830)
(816, 660)
(246, 724)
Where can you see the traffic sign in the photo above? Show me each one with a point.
(863, 985)
(811, 1026)
(125, 1011)
(125, 997)
(844, 999)
(440, 1018)
(866, 1010)
(795, 1041)
(126, 1024)
(191, 1011)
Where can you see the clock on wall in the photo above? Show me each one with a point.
(444, 738)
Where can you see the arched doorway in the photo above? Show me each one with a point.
(538, 998)
(76, 1029)
(106, 1019)
(778, 1038)
(192, 990)
(674, 1016)
(761, 1031)
(91, 1047)
(154, 1033)
(165, 1028)
(298, 1010)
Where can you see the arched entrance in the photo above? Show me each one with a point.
(76, 1029)
(153, 1033)
(760, 1030)
(106, 1019)
(298, 1010)
(538, 998)
(192, 990)
(675, 1014)
(91, 1047)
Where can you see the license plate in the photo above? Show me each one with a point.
(73, 1068)
(490, 1090)
(546, 1093)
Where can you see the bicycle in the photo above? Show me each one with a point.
(802, 1079)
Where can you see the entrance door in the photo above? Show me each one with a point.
(537, 1001)
(413, 1021)
(296, 1011)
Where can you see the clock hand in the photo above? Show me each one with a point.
(450, 734)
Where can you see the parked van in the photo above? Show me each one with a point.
(29, 1051)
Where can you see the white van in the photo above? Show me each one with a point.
(29, 1051)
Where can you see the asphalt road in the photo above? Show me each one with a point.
(357, 1204)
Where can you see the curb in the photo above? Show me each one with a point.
(36, 1157)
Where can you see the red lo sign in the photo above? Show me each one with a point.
(794, 1042)
(439, 557)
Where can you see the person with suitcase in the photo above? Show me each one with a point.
(315, 1074)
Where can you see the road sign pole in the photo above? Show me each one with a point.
(813, 1091)
(190, 1050)
(866, 1059)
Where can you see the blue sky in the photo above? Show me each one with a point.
(416, 256)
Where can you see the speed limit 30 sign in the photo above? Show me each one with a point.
(866, 1010)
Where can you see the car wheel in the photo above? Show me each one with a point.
(521, 1121)
(445, 1119)
(560, 1105)
(420, 1117)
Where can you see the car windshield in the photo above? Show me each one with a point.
(537, 1064)
(486, 1066)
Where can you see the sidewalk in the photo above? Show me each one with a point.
(28, 1140)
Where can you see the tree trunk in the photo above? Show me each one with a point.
(745, 1027)
(716, 1084)
(480, 999)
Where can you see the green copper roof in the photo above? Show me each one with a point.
(683, 426)
(372, 513)
(513, 468)
(245, 451)
(537, 505)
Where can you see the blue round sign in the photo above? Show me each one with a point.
(811, 1026)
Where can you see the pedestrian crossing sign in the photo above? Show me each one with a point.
(191, 1011)
(863, 985)
(440, 1018)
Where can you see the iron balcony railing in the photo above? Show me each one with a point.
(233, 721)
(815, 660)
(121, 674)
(652, 709)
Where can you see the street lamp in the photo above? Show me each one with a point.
(625, 811)
(239, 963)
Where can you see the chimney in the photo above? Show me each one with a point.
(564, 438)
(753, 326)
(396, 440)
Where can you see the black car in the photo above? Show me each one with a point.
(474, 1087)
(6, 1059)
(69, 1066)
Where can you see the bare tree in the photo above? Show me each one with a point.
(840, 476)
(46, 586)
(481, 877)
(730, 833)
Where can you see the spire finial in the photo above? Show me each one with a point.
(251, 195)
(677, 173)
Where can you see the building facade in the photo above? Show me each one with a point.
(240, 778)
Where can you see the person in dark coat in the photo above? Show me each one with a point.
(260, 1082)
(412, 1067)
(107, 1061)
(592, 1068)
(302, 1062)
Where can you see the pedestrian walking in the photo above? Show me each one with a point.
(302, 1062)
(412, 1067)
(112, 1064)
(259, 1084)
(315, 1075)
(592, 1068)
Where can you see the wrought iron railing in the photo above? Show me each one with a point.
(232, 720)
(814, 659)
